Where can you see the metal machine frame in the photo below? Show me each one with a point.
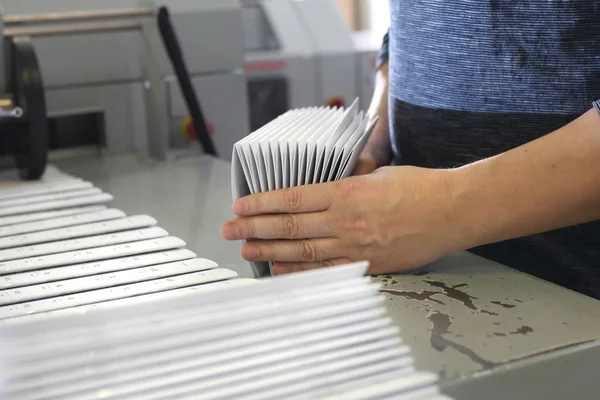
(23, 105)
(155, 81)
(27, 139)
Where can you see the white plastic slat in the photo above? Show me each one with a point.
(334, 391)
(49, 197)
(169, 372)
(187, 330)
(54, 223)
(228, 348)
(12, 181)
(100, 267)
(339, 373)
(314, 303)
(41, 216)
(119, 292)
(100, 281)
(125, 302)
(78, 231)
(346, 297)
(303, 370)
(79, 244)
(42, 188)
(57, 205)
(215, 346)
(130, 248)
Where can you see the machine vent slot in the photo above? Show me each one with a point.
(77, 131)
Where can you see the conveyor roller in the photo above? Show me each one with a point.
(23, 126)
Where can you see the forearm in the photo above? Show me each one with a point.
(379, 145)
(550, 183)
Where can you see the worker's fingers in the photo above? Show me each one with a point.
(309, 198)
(305, 250)
(288, 268)
(279, 226)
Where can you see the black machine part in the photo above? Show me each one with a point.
(171, 43)
(26, 138)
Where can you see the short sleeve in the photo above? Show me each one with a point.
(383, 55)
(596, 105)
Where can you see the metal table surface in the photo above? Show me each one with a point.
(189, 197)
(489, 331)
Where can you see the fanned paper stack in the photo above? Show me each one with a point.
(312, 335)
(301, 147)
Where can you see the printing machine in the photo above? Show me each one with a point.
(108, 80)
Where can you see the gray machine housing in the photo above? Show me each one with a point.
(125, 78)
(301, 54)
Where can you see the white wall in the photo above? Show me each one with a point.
(366, 14)
(379, 16)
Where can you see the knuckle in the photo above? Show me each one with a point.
(307, 250)
(289, 226)
(292, 199)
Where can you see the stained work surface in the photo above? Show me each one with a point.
(464, 315)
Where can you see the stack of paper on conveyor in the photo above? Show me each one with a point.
(311, 335)
(301, 147)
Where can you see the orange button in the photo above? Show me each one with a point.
(189, 130)
(336, 101)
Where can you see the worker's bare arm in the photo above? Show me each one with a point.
(549, 183)
(378, 151)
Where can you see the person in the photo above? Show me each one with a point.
(487, 141)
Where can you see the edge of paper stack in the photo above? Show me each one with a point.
(300, 147)
(310, 335)
(63, 251)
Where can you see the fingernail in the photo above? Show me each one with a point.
(251, 252)
(239, 207)
(231, 231)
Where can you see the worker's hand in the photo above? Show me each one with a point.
(397, 218)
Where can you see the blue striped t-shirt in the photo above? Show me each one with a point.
(470, 79)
